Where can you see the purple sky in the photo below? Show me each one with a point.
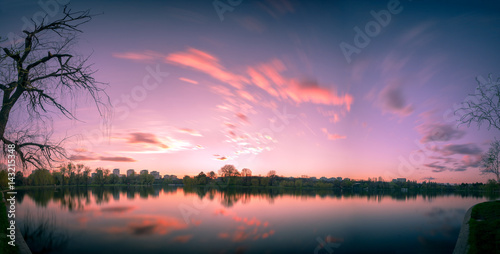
(291, 86)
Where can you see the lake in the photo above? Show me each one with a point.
(181, 220)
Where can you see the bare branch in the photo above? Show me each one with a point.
(35, 70)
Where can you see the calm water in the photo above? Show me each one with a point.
(176, 220)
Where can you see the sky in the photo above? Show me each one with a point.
(353, 89)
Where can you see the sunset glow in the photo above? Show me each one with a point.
(270, 87)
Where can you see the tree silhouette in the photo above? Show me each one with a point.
(40, 77)
(484, 107)
(491, 160)
(228, 171)
(246, 172)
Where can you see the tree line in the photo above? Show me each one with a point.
(78, 175)
(228, 175)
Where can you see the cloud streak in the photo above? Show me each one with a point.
(206, 63)
(332, 136)
(145, 138)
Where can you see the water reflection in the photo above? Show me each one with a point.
(244, 220)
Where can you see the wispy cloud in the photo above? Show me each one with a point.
(117, 159)
(207, 63)
(391, 99)
(332, 136)
(190, 132)
(188, 80)
(101, 158)
(268, 77)
(439, 132)
(147, 55)
(145, 138)
(468, 149)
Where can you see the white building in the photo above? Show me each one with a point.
(156, 174)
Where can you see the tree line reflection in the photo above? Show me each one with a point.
(73, 198)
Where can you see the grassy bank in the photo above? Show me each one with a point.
(484, 234)
(4, 224)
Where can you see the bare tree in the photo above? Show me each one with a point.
(484, 105)
(228, 171)
(271, 173)
(491, 160)
(246, 172)
(40, 77)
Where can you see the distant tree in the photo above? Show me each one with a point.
(264, 181)
(492, 186)
(39, 75)
(201, 178)
(228, 171)
(271, 173)
(212, 175)
(491, 160)
(19, 178)
(484, 107)
(56, 176)
(246, 172)
(4, 182)
(86, 175)
(298, 183)
(149, 179)
(79, 169)
(272, 177)
(40, 177)
(187, 181)
(255, 182)
(99, 177)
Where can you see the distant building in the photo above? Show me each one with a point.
(156, 174)
(93, 175)
(401, 180)
(144, 171)
(323, 178)
(116, 171)
(130, 172)
(347, 179)
(339, 178)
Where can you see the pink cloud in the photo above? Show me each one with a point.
(259, 80)
(101, 158)
(267, 74)
(204, 62)
(332, 136)
(117, 159)
(190, 132)
(82, 158)
(188, 80)
(147, 55)
(246, 95)
(147, 138)
(242, 117)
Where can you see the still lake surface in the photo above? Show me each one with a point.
(176, 220)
